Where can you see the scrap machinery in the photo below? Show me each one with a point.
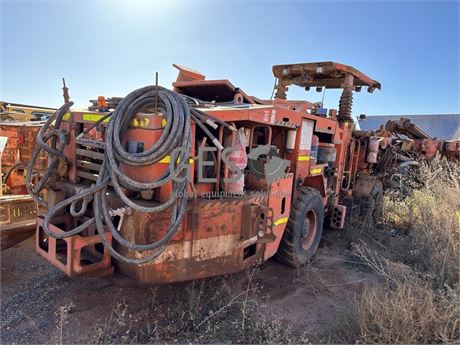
(19, 125)
(166, 186)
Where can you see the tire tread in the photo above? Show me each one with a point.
(286, 252)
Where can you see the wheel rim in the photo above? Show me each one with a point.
(309, 230)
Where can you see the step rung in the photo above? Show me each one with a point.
(88, 165)
(89, 142)
(90, 154)
(87, 175)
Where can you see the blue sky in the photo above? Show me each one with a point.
(112, 47)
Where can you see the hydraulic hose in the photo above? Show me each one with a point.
(93, 125)
(175, 141)
(175, 135)
(55, 153)
(10, 170)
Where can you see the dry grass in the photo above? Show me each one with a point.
(61, 323)
(217, 310)
(431, 218)
(416, 250)
(410, 313)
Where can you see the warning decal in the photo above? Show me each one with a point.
(306, 134)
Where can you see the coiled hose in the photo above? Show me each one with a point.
(175, 140)
(10, 170)
(55, 151)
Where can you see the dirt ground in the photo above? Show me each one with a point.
(32, 292)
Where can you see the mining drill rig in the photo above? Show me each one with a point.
(202, 180)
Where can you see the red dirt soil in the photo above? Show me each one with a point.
(32, 291)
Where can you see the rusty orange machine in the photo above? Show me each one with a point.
(203, 180)
(409, 138)
(21, 142)
(17, 209)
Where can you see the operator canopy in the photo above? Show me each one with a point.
(330, 75)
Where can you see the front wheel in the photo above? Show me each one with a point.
(304, 229)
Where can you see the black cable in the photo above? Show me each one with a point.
(98, 122)
(214, 140)
(175, 135)
(44, 134)
(10, 170)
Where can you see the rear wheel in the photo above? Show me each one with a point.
(303, 230)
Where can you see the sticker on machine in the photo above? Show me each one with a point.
(272, 118)
(266, 116)
(306, 134)
(3, 141)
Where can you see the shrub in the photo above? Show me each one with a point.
(410, 313)
(416, 249)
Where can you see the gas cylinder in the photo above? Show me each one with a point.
(240, 159)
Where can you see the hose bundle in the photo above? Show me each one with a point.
(55, 152)
(176, 135)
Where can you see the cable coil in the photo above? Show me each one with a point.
(175, 141)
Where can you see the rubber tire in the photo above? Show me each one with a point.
(291, 251)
